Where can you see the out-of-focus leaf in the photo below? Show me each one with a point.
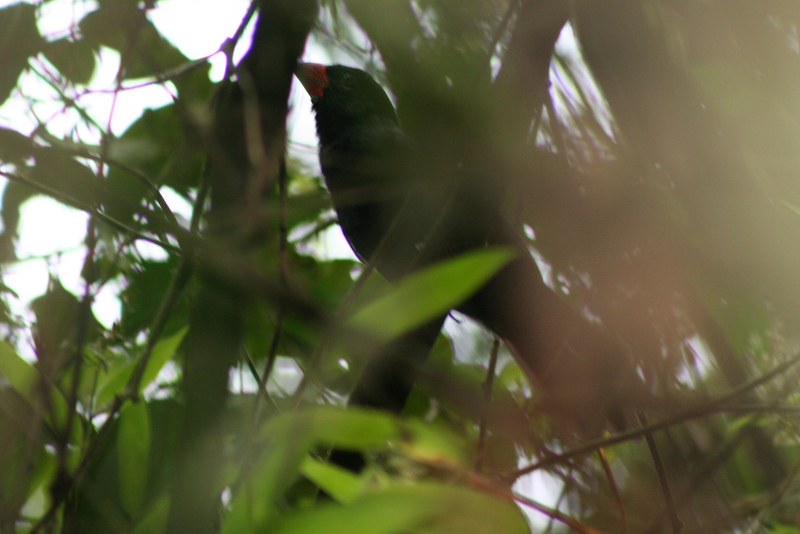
(19, 373)
(307, 206)
(24, 378)
(117, 378)
(19, 40)
(428, 507)
(14, 147)
(57, 315)
(290, 437)
(780, 528)
(98, 504)
(440, 357)
(19, 426)
(59, 171)
(155, 520)
(76, 60)
(154, 146)
(342, 485)
(147, 284)
(162, 352)
(499, 454)
(430, 292)
(125, 27)
(133, 453)
(433, 444)
(26, 462)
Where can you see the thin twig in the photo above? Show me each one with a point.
(488, 385)
(73, 203)
(711, 407)
(574, 524)
(612, 482)
(498, 34)
(283, 273)
(677, 526)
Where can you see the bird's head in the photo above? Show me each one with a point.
(344, 97)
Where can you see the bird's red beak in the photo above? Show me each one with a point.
(314, 78)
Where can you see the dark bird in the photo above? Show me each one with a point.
(397, 215)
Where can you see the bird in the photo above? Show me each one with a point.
(399, 217)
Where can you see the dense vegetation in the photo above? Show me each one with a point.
(647, 149)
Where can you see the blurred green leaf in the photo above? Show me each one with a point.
(148, 281)
(60, 171)
(155, 146)
(19, 40)
(19, 373)
(133, 452)
(125, 27)
(19, 428)
(342, 485)
(778, 528)
(430, 292)
(98, 504)
(14, 147)
(435, 444)
(76, 60)
(155, 521)
(57, 314)
(115, 380)
(289, 438)
(162, 352)
(25, 379)
(428, 507)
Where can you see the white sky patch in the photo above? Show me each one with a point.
(542, 488)
(199, 27)
(44, 252)
(568, 48)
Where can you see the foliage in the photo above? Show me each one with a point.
(650, 154)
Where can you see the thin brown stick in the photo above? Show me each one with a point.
(488, 384)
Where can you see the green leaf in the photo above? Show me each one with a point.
(126, 28)
(162, 352)
(424, 508)
(98, 499)
(24, 378)
(133, 454)
(19, 40)
(155, 520)
(342, 485)
(289, 438)
(433, 443)
(147, 284)
(14, 147)
(430, 292)
(19, 426)
(19, 373)
(14, 195)
(57, 314)
(780, 528)
(117, 378)
(156, 147)
(58, 170)
(76, 60)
